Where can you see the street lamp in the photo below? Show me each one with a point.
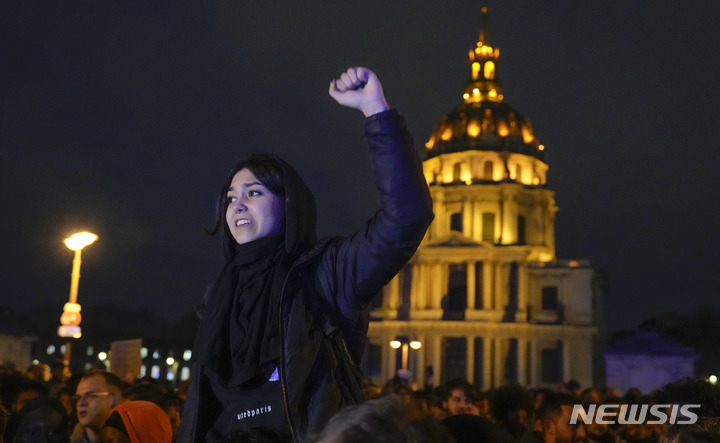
(405, 344)
(70, 318)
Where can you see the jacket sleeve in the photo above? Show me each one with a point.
(354, 269)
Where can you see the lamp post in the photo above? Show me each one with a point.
(70, 318)
(405, 345)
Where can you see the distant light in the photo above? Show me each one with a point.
(89, 351)
(80, 240)
(395, 344)
(541, 147)
(155, 371)
(476, 91)
(712, 379)
(36, 362)
(573, 263)
(51, 349)
(415, 344)
(102, 356)
(156, 354)
(466, 96)
(184, 373)
(143, 352)
(187, 355)
(170, 361)
(170, 376)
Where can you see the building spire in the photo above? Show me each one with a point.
(483, 38)
(483, 84)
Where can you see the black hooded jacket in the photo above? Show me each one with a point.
(324, 301)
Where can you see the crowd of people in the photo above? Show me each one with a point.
(48, 404)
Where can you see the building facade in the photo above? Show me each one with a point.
(485, 297)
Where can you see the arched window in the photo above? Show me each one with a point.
(489, 69)
(488, 170)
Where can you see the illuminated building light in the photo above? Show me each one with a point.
(476, 91)
(573, 263)
(447, 134)
(170, 376)
(156, 354)
(187, 355)
(713, 379)
(489, 71)
(430, 143)
(541, 147)
(475, 70)
(184, 373)
(143, 371)
(527, 134)
(51, 350)
(170, 361)
(143, 352)
(492, 93)
(473, 128)
(89, 351)
(502, 129)
(466, 96)
(36, 362)
(102, 356)
(155, 371)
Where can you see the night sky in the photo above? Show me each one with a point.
(122, 117)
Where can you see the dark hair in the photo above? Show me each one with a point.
(459, 383)
(111, 379)
(266, 169)
(551, 406)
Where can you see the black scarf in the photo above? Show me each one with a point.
(237, 340)
(238, 336)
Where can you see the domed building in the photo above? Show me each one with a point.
(485, 298)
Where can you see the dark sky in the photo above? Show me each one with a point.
(122, 117)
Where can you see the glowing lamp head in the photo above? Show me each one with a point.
(80, 240)
(415, 344)
(170, 361)
(395, 344)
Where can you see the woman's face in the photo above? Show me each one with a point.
(253, 211)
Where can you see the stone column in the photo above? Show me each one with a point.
(487, 345)
(470, 358)
(522, 361)
(498, 362)
(437, 284)
(523, 288)
(470, 273)
(566, 359)
(437, 359)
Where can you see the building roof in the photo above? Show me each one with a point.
(483, 122)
